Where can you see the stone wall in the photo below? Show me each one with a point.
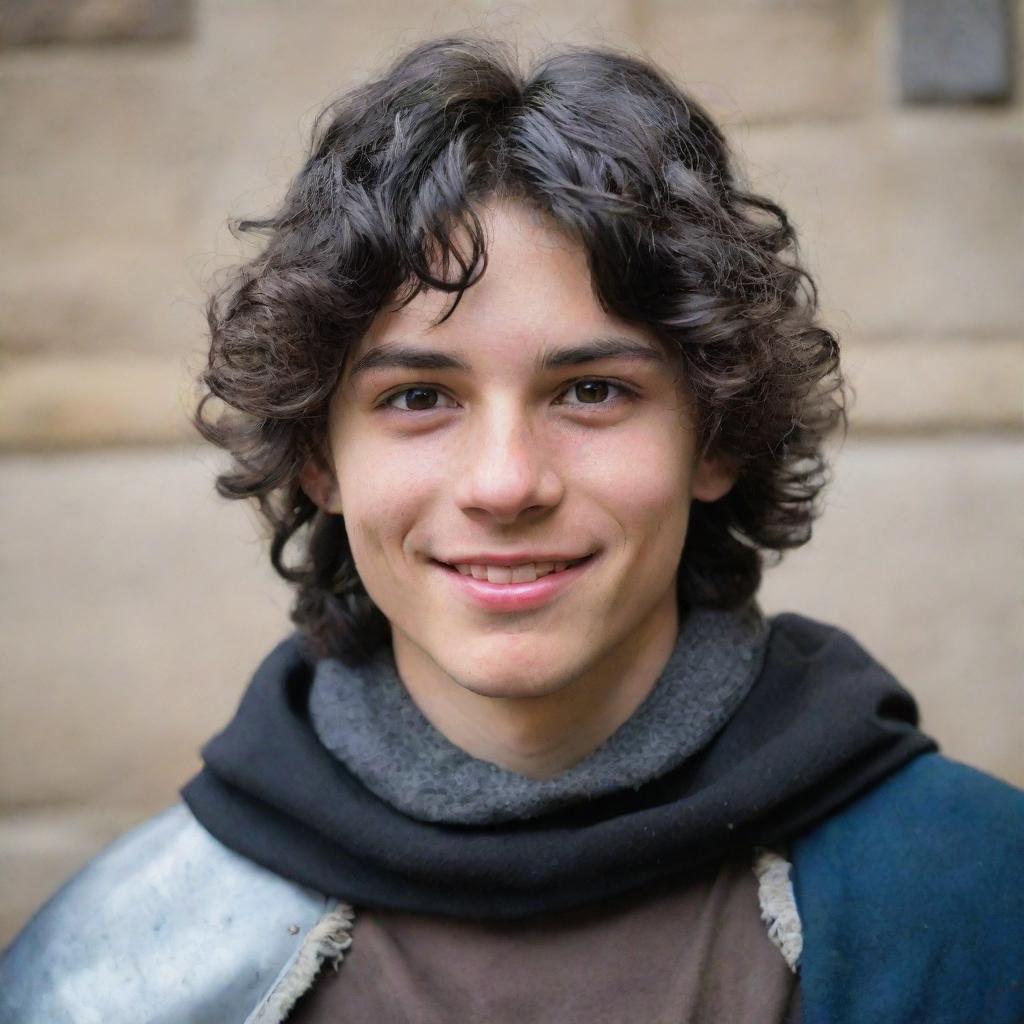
(134, 603)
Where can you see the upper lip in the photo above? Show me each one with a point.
(522, 558)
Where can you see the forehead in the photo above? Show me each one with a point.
(535, 300)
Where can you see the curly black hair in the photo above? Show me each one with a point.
(388, 203)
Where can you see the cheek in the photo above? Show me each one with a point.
(644, 481)
(383, 499)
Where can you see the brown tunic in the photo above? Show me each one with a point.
(693, 950)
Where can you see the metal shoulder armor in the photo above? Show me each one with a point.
(166, 925)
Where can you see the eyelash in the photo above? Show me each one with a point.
(627, 394)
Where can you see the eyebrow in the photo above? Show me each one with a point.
(399, 355)
(610, 347)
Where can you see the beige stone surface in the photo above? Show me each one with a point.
(135, 604)
(94, 400)
(121, 164)
(912, 224)
(921, 385)
(773, 60)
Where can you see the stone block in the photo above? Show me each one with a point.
(28, 22)
(954, 52)
(534, 27)
(103, 248)
(911, 223)
(136, 604)
(920, 385)
(94, 300)
(65, 401)
(767, 60)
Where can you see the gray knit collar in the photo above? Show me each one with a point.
(365, 718)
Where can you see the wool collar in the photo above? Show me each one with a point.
(365, 717)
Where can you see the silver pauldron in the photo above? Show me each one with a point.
(168, 926)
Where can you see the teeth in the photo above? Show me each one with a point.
(511, 573)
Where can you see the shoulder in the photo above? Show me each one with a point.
(802, 638)
(165, 918)
(911, 903)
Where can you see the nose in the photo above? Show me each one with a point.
(507, 471)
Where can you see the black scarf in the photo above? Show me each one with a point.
(823, 723)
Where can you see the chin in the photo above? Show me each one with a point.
(511, 680)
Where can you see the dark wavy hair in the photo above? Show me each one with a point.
(388, 203)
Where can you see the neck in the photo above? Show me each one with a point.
(541, 736)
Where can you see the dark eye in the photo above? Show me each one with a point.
(595, 392)
(416, 400)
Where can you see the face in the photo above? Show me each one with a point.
(474, 459)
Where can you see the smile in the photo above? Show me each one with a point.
(508, 588)
(527, 572)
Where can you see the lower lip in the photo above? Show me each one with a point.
(515, 597)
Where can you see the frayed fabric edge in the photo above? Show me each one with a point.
(778, 905)
(329, 939)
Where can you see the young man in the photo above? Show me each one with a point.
(526, 384)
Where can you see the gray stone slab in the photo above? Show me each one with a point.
(955, 51)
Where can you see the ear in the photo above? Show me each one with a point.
(713, 478)
(320, 485)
